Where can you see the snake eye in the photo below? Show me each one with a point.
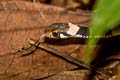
(56, 34)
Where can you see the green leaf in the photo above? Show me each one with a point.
(105, 17)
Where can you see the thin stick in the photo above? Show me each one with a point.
(68, 57)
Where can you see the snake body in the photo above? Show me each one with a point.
(68, 30)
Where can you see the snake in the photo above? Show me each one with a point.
(70, 30)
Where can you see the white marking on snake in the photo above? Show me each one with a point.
(78, 36)
(62, 36)
(73, 29)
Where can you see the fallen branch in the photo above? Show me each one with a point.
(68, 57)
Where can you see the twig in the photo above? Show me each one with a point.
(68, 57)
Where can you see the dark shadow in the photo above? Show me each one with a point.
(109, 48)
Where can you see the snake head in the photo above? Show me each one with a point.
(66, 30)
(56, 30)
